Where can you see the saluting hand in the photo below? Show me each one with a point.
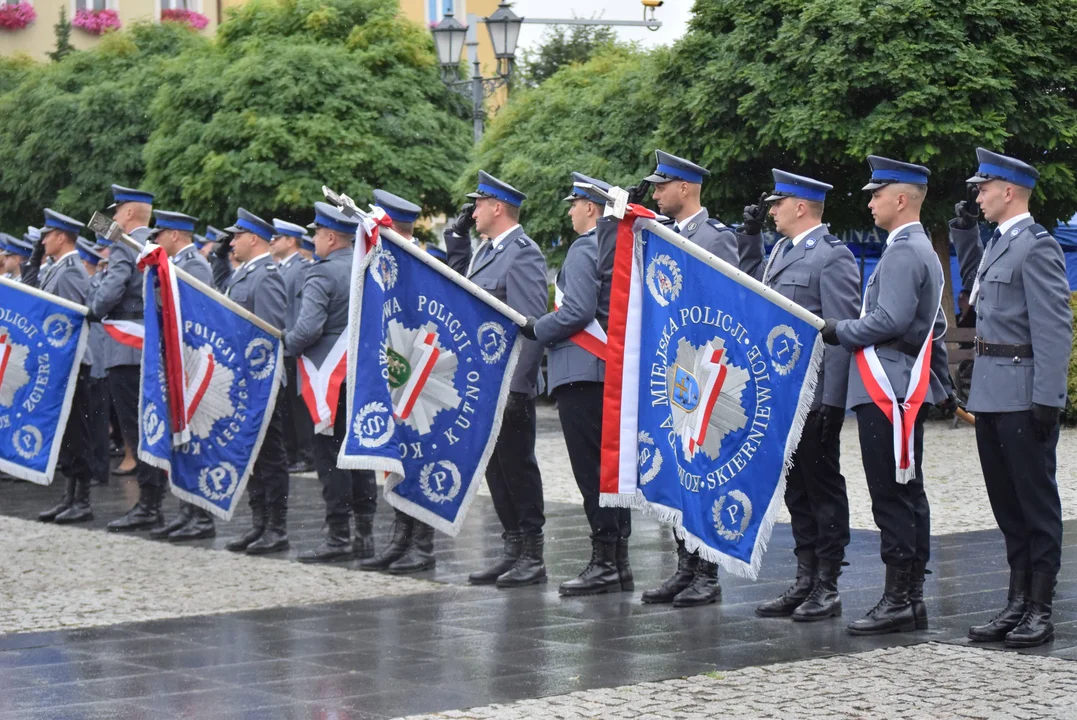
(755, 216)
(967, 212)
(464, 221)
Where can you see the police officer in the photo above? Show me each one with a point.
(68, 280)
(1024, 334)
(119, 297)
(298, 428)
(322, 321)
(575, 335)
(174, 232)
(257, 286)
(678, 184)
(815, 270)
(306, 249)
(901, 314)
(16, 252)
(209, 243)
(411, 542)
(94, 260)
(509, 266)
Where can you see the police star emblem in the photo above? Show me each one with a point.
(420, 375)
(704, 391)
(208, 392)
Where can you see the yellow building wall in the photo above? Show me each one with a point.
(39, 37)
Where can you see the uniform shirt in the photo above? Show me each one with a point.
(258, 287)
(323, 310)
(119, 297)
(69, 280)
(194, 264)
(294, 269)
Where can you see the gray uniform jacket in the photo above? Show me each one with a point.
(259, 288)
(293, 269)
(515, 273)
(323, 312)
(119, 297)
(711, 235)
(98, 337)
(901, 303)
(586, 288)
(191, 262)
(819, 274)
(68, 279)
(1023, 300)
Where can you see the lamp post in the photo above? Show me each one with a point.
(451, 37)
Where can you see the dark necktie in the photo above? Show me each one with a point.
(484, 252)
(787, 248)
(994, 237)
(677, 228)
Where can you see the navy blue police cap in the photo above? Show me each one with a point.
(670, 167)
(787, 184)
(330, 217)
(249, 222)
(121, 195)
(57, 221)
(396, 207)
(585, 193)
(994, 166)
(491, 187)
(88, 251)
(14, 246)
(166, 220)
(288, 229)
(885, 171)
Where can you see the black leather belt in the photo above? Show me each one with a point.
(902, 346)
(125, 316)
(1002, 349)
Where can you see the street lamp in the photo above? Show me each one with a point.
(504, 26)
(449, 37)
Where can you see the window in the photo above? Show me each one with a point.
(91, 5)
(436, 9)
(192, 5)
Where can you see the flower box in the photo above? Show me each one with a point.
(16, 17)
(192, 18)
(96, 22)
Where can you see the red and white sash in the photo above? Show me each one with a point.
(592, 338)
(320, 386)
(901, 415)
(710, 390)
(125, 332)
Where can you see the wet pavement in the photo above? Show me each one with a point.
(459, 646)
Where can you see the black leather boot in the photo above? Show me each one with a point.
(624, 570)
(80, 510)
(259, 519)
(399, 540)
(529, 568)
(336, 547)
(601, 574)
(675, 583)
(275, 537)
(199, 527)
(704, 588)
(823, 601)
(420, 553)
(363, 545)
(146, 513)
(795, 594)
(182, 518)
(916, 594)
(1035, 627)
(66, 502)
(1010, 617)
(513, 548)
(894, 612)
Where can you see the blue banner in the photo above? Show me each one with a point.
(232, 373)
(42, 340)
(429, 366)
(726, 378)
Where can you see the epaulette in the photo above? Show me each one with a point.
(522, 242)
(717, 224)
(272, 267)
(832, 239)
(1039, 230)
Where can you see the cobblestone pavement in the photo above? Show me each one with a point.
(929, 681)
(951, 466)
(108, 579)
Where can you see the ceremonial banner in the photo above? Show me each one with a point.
(710, 377)
(210, 377)
(431, 356)
(42, 340)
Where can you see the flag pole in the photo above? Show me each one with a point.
(45, 295)
(101, 225)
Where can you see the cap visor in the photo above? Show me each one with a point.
(235, 230)
(478, 195)
(772, 198)
(977, 179)
(154, 232)
(874, 186)
(657, 179)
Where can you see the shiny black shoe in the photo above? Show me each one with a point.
(259, 520)
(80, 510)
(201, 526)
(275, 537)
(795, 594)
(68, 500)
(145, 515)
(363, 544)
(419, 555)
(529, 568)
(704, 588)
(600, 575)
(675, 583)
(337, 547)
(823, 601)
(893, 613)
(181, 519)
(304, 466)
(1035, 627)
(1010, 616)
(399, 540)
(624, 569)
(511, 552)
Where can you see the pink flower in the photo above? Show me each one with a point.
(16, 17)
(96, 22)
(192, 18)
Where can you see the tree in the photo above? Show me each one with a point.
(63, 37)
(70, 128)
(301, 93)
(562, 46)
(596, 118)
